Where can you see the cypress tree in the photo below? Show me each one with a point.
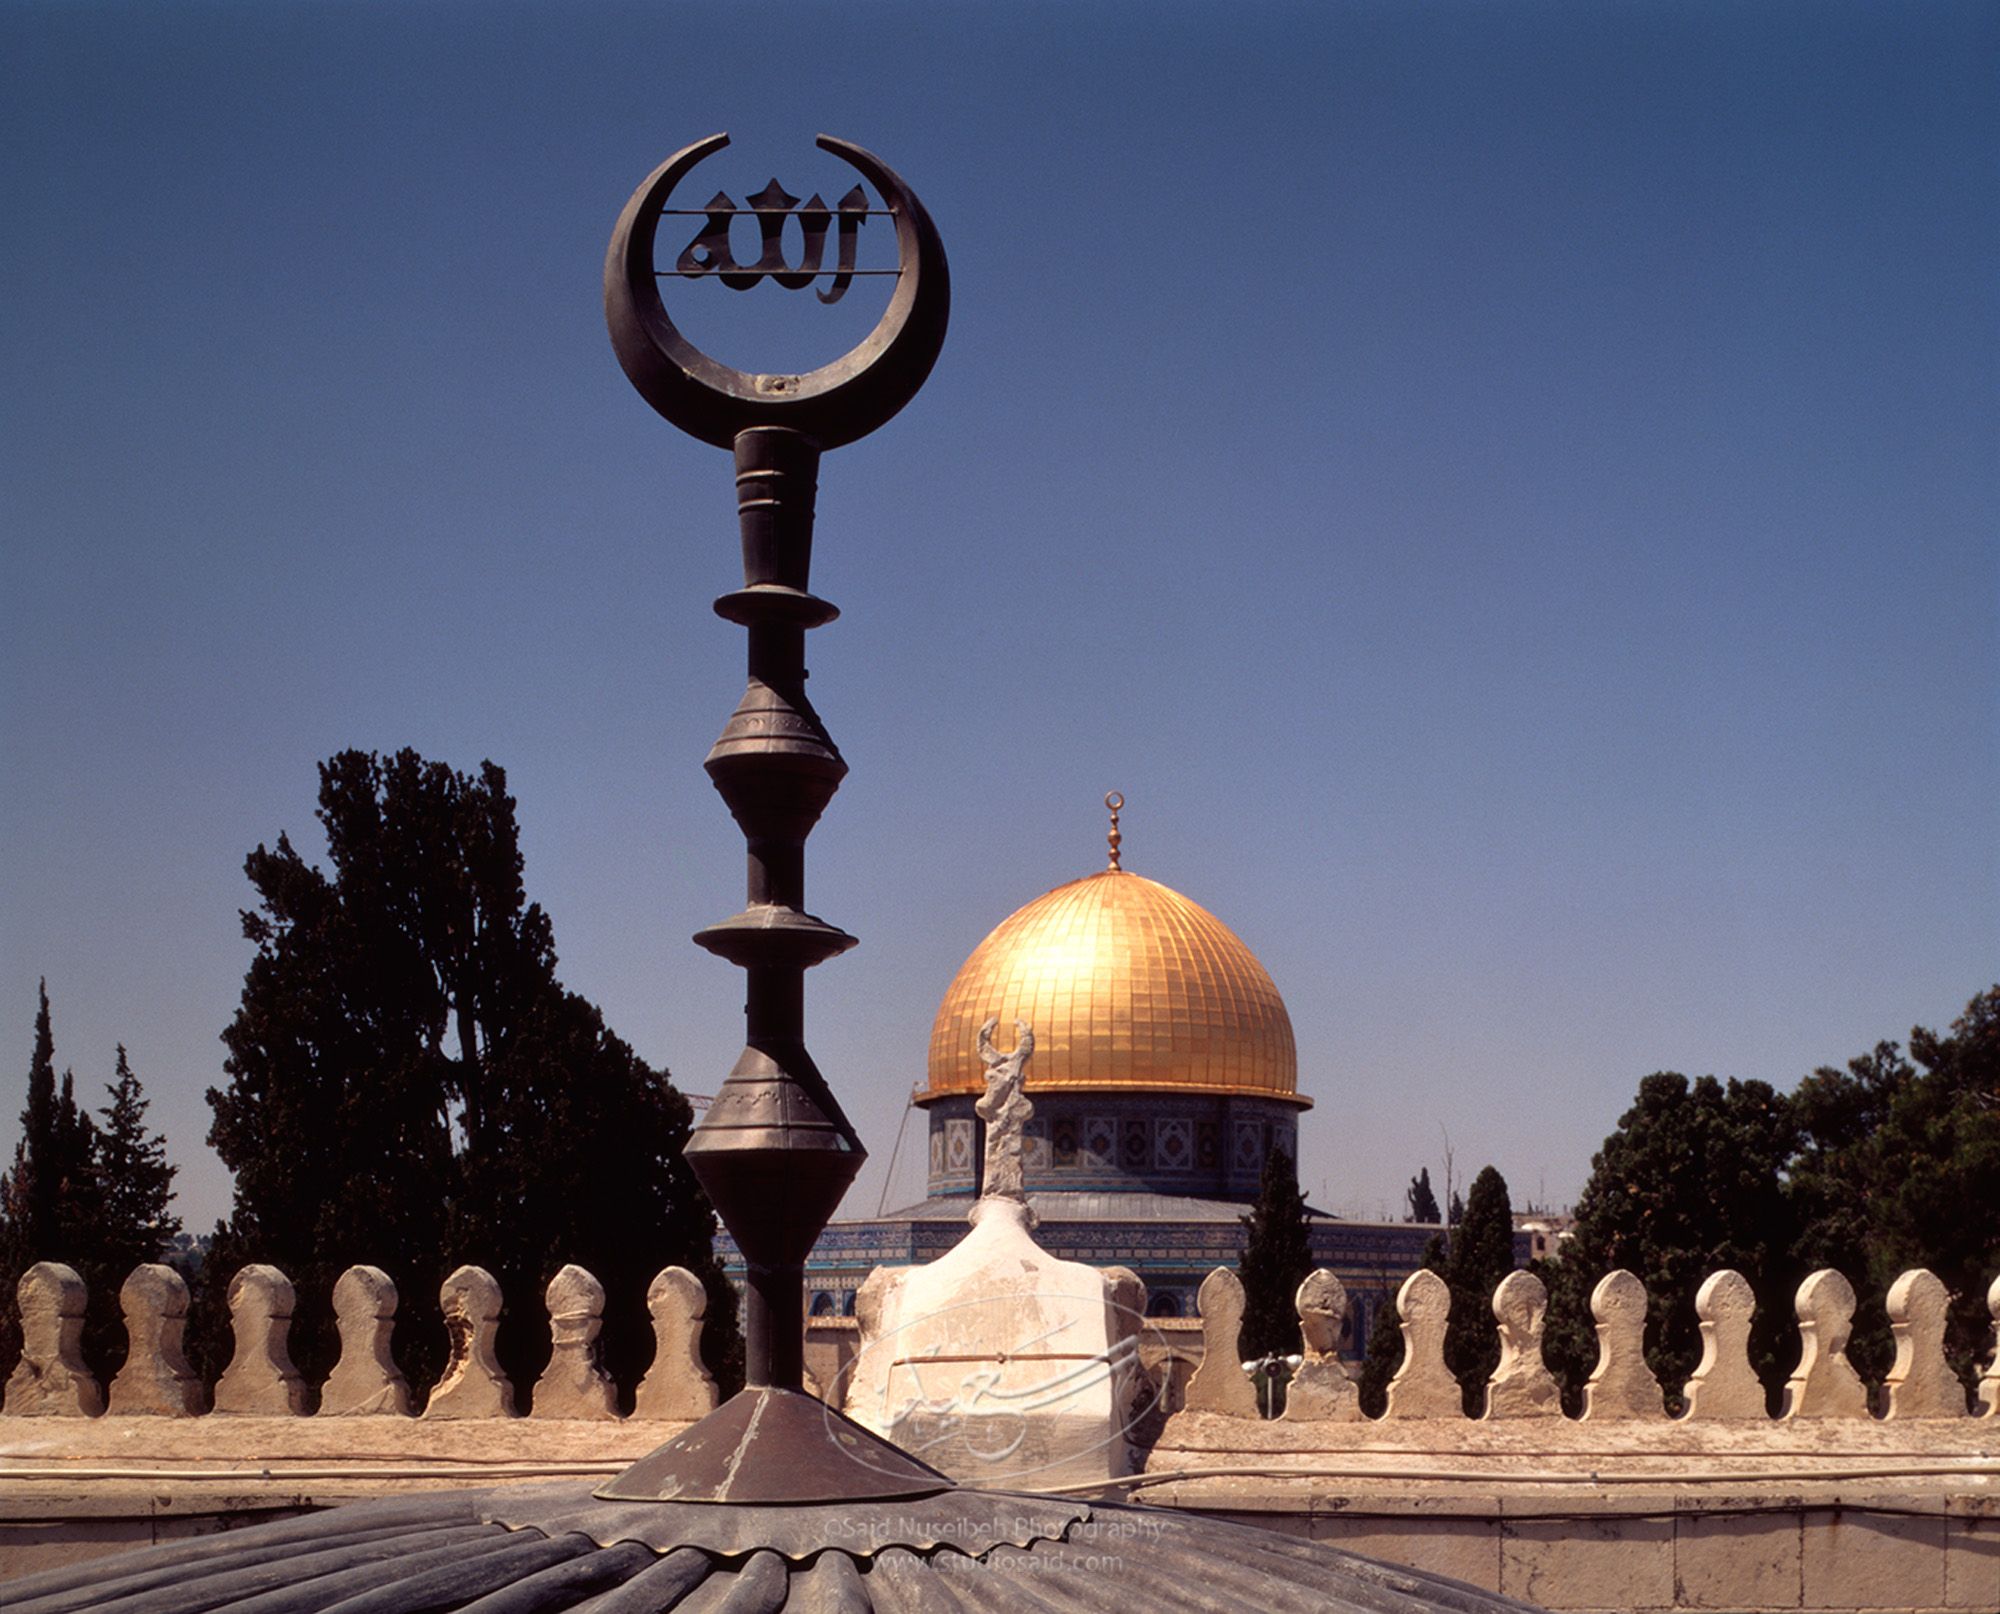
(1479, 1255)
(1277, 1255)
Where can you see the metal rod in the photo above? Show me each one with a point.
(746, 269)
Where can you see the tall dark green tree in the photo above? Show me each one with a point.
(1893, 1153)
(1380, 1359)
(54, 1205)
(1478, 1253)
(1277, 1256)
(136, 1179)
(1691, 1182)
(1421, 1204)
(411, 1086)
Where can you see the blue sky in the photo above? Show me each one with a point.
(1508, 492)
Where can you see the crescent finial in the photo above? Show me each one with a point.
(834, 404)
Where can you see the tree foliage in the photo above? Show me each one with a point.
(1381, 1357)
(136, 1180)
(95, 1199)
(1871, 1170)
(1277, 1256)
(1472, 1259)
(1895, 1155)
(411, 1086)
(1420, 1202)
(1690, 1183)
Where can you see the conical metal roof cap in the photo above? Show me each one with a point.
(766, 1445)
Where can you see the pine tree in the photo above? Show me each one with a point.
(1277, 1256)
(137, 1182)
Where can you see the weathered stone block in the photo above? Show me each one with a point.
(1464, 1549)
(1972, 1564)
(1873, 1561)
(1738, 1561)
(1611, 1562)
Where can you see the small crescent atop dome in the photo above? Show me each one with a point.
(834, 404)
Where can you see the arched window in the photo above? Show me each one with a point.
(847, 1304)
(822, 1304)
(1163, 1304)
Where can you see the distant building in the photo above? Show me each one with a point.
(1164, 1072)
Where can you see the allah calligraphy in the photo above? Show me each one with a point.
(708, 253)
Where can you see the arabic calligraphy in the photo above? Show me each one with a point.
(708, 254)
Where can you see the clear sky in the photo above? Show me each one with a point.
(1508, 492)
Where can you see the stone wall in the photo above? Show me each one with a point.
(1831, 1504)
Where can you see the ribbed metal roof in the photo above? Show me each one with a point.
(547, 1549)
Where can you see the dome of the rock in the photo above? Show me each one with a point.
(1129, 986)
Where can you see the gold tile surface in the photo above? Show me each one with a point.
(1127, 984)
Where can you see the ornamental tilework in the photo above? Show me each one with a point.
(1136, 1149)
(1100, 1141)
(958, 1145)
(1035, 1146)
(1062, 1139)
(1249, 1152)
(1173, 1144)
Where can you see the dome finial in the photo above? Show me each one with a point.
(1114, 801)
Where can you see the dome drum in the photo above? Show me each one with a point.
(1209, 1145)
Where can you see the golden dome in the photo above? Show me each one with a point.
(1127, 984)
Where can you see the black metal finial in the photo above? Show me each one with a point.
(774, 1152)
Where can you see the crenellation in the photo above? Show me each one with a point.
(1423, 1386)
(1989, 1381)
(366, 1379)
(1321, 1387)
(473, 1385)
(1218, 1384)
(50, 1380)
(678, 1384)
(1921, 1383)
(1825, 1385)
(260, 1377)
(574, 1384)
(1724, 1384)
(1522, 1385)
(1622, 1384)
(156, 1380)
